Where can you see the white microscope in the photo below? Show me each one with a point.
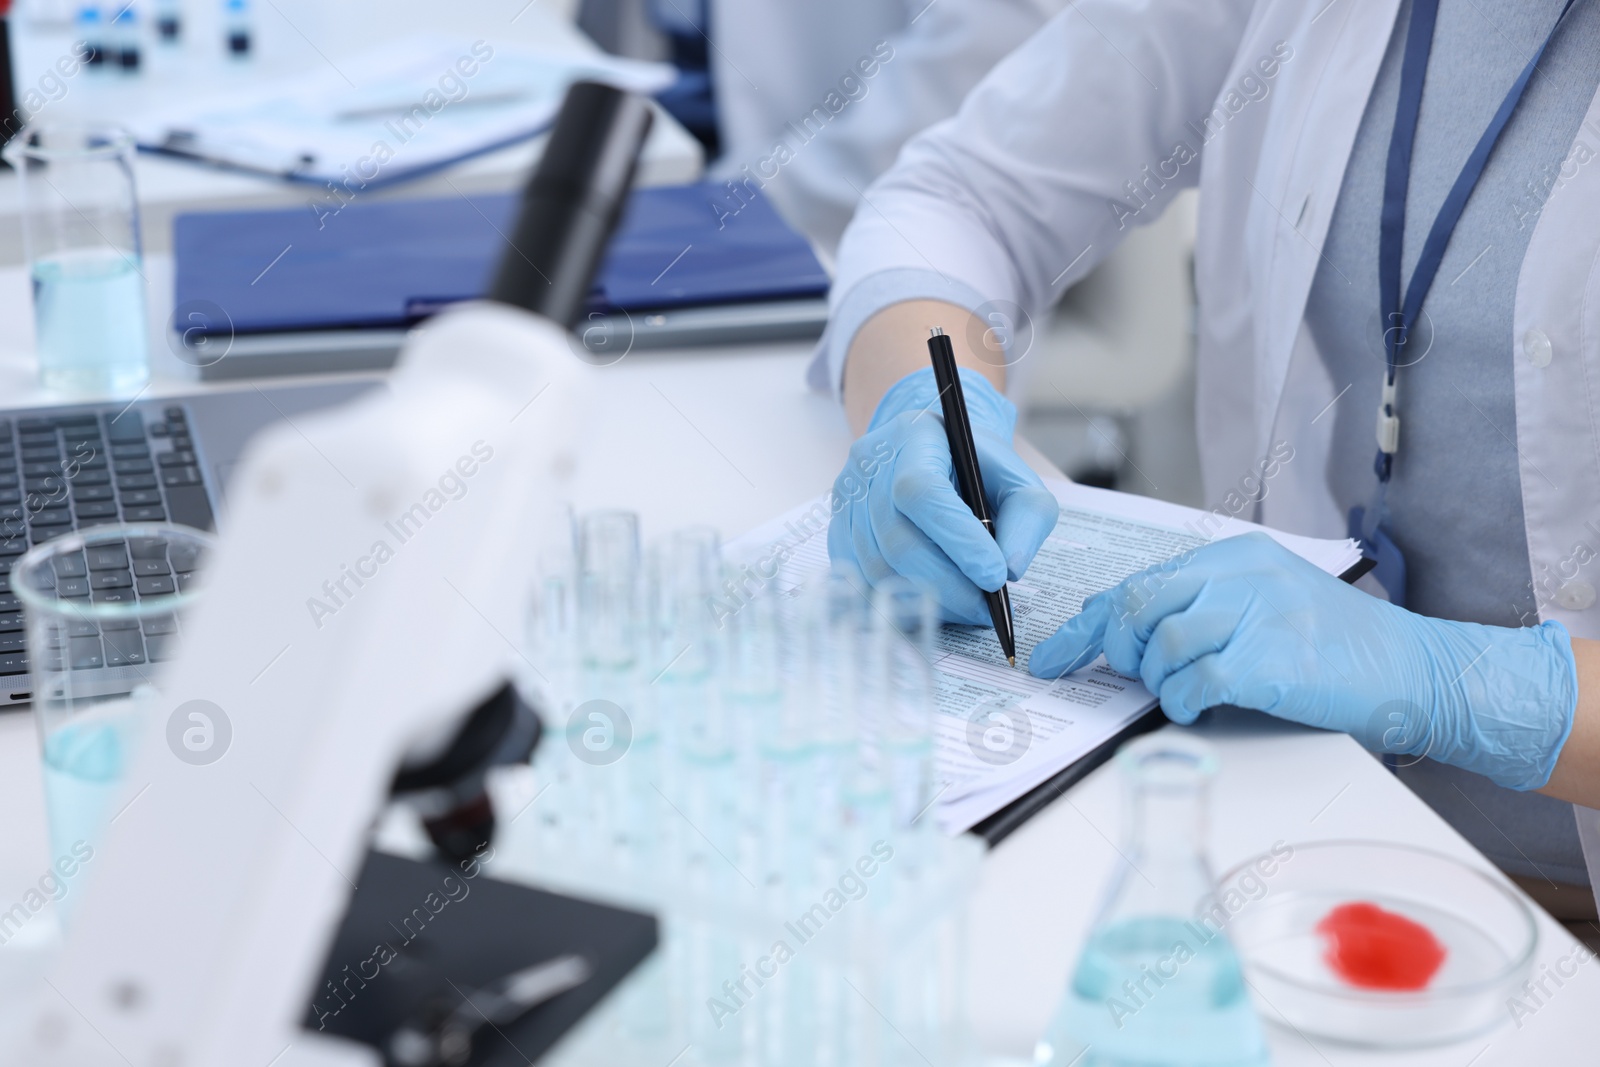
(217, 894)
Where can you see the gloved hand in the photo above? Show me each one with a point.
(897, 509)
(1246, 622)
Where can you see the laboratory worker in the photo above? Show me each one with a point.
(815, 100)
(1398, 276)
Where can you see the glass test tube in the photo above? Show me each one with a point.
(772, 733)
(91, 30)
(237, 31)
(608, 573)
(909, 617)
(691, 699)
(868, 783)
(169, 20)
(837, 624)
(682, 574)
(550, 680)
(125, 37)
(603, 730)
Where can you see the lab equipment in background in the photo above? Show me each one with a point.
(91, 30)
(394, 110)
(126, 48)
(81, 234)
(102, 605)
(169, 20)
(238, 33)
(1158, 982)
(756, 770)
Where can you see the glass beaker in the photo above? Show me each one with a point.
(102, 606)
(1158, 982)
(81, 234)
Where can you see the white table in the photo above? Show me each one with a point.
(297, 35)
(731, 438)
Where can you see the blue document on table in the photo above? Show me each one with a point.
(388, 264)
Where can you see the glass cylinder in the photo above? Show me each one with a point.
(753, 661)
(909, 614)
(551, 634)
(682, 573)
(103, 606)
(679, 689)
(237, 32)
(80, 214)
(608, 589)
(845, 665)
(840, 631)
(774, 789)
(1158, 981)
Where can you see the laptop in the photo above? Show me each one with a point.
(69, 467)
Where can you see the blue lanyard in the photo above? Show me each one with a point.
(1400, 312)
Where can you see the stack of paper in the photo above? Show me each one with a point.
(1000, 731)
(398, 110)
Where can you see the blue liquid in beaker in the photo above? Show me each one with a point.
(89, 315)
(1155, 992)
(83, 768)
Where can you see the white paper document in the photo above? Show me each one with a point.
(1000, 732)
(397, 110)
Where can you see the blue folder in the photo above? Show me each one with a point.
(391, 263)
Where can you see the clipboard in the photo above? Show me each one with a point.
(1003, 823)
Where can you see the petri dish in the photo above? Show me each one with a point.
(1276, 902)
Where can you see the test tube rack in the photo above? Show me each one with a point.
(866, 974)
(758, 778)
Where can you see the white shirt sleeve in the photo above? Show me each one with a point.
(1068, 143)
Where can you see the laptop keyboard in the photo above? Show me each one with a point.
(61, 472)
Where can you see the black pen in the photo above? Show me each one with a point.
(969, 479)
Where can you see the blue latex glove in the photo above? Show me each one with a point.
(1246, 622)
(896, 508)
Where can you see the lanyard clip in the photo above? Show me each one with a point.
(1388, 421)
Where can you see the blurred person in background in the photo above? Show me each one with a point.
(812, 101)
(843, 84)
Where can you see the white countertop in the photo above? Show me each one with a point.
(731, 437)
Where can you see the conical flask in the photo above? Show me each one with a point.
(1158, 983)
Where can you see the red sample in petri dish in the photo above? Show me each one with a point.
(1373, 948)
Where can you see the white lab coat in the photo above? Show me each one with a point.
(775, 61)
(1015, 199)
